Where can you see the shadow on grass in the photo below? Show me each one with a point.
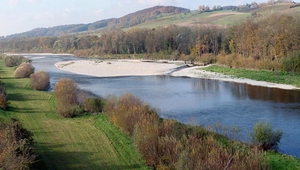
(23, 110)
(22, 97)
(51, 158)
(16, 97)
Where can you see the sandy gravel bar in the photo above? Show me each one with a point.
(196, 72)
(118, 68)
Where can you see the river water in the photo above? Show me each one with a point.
(198, 101)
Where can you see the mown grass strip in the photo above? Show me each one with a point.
(260, 75)
(79, 143)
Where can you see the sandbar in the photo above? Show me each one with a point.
(119, 68)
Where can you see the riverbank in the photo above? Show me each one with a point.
(91, 141)
(118, 68)
(46, 54)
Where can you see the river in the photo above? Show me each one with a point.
(198, 101)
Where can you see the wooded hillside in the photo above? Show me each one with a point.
(107, 24)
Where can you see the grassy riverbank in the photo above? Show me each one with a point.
(88, 142)
(260, 75)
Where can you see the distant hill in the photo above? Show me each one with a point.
(113, 23)
(162, 16)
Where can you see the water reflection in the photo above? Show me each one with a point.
(263, 93)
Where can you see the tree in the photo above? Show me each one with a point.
(40, 80)
(265, 137)
(66, 94)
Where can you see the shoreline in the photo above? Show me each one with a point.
(46, 54)
(119, 68)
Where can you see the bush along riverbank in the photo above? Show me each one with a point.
(85, 142)
(110, 140)
(168, 144)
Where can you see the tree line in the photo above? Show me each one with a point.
(259, 39)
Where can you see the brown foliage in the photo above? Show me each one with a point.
(40, 80)
(3, 98)
(92, 105)
(11, 61)
(238, 61)
(167, 144)
(66, 95)
(16, 146)
(132, 109)
(24, 70)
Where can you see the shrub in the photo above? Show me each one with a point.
(3, 98)
(16, 146)
(12, 61)
(132, 109)
(167, 144)
(66, 95)
(24, 70)
(292, 63)
(207, 59)
(265, 137)
(40, 80)
(92, 105)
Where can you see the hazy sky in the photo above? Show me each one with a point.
(23, 15)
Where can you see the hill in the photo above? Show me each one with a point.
(107, 24)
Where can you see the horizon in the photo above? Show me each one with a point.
(18, 16)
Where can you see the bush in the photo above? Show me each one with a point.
(265, 137)
(12, 61)
(3, 98)
(16, 146)
(292, 63)
(40, 80)
(24, 70)
(132, 109)
(92, 105)
(167, 144)
(66, 95)
(207, 59)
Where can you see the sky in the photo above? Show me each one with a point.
(18, 16)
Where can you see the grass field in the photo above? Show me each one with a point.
(87, 142)
(260, 75)
(195, 18)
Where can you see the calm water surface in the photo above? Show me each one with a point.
(199, 101)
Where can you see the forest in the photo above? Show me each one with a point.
(266, 42)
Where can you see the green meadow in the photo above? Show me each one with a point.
(260, 75)
(86, 142)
